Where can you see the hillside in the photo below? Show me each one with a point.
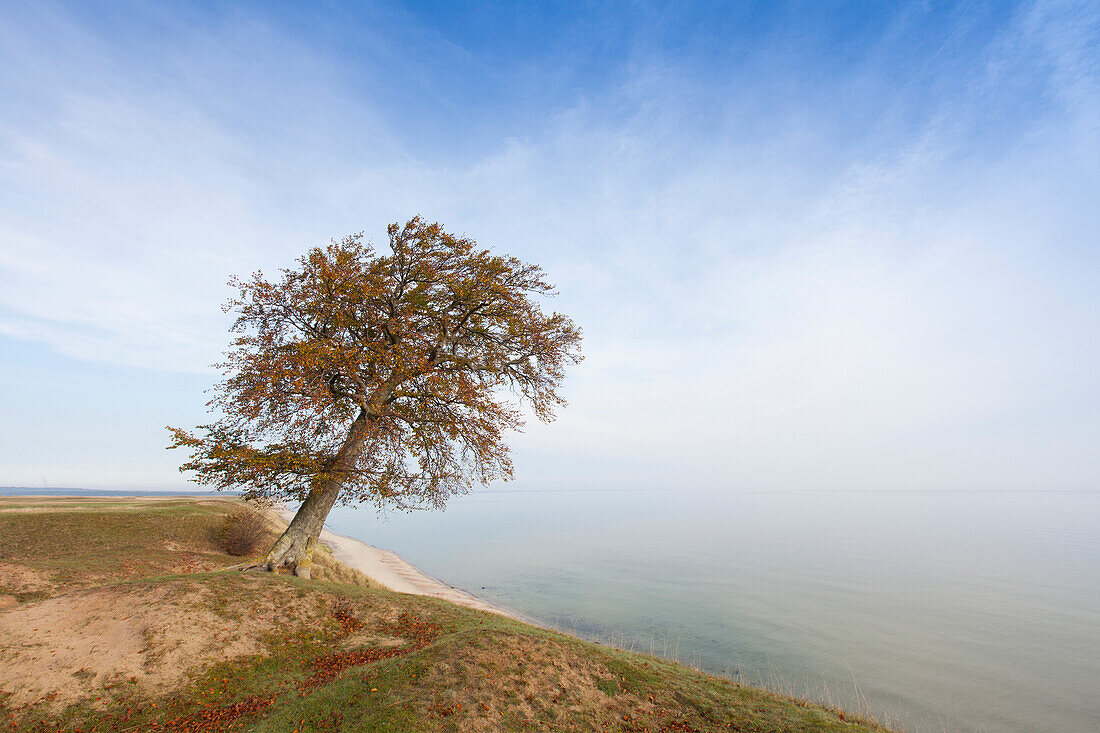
(114, 617)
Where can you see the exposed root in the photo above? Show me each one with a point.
(295, 554)
(242, 567)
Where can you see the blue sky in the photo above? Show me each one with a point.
(812, 245)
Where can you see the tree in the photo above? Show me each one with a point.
(382, 378)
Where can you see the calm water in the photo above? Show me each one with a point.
(933, 611)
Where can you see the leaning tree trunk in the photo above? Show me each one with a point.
(294, 549)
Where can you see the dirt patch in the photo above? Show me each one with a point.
(87, 643)
(15, 579)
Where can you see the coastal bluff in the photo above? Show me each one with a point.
(117, 614)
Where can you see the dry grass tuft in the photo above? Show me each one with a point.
(243, 532)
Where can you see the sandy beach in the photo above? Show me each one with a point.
(392, 571)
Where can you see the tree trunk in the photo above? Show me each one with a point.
(295, 547)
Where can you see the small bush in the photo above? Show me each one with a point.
(242, 532)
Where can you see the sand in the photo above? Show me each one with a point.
(394, 572)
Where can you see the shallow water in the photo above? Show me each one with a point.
(933, 611)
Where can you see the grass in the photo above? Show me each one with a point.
(325, 655)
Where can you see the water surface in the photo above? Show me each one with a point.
(933, 611)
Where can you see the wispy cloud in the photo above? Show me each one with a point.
(874, 273)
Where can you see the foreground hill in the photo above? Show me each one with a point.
(114, 617)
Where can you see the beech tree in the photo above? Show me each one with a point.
(385, 378)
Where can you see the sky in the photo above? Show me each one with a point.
(812, 246)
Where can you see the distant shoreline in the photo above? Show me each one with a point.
(75, 493)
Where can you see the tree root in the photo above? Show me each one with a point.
(244, 566)
(295, 554)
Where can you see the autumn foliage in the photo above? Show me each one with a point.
(390, 378)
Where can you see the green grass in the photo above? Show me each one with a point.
(331, 656)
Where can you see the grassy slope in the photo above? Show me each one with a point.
(334, 653)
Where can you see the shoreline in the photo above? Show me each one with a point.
(392, 571)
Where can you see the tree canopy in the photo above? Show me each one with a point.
(386, 378)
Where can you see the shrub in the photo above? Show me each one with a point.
(242, 532)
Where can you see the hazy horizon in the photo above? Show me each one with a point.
(847, 248)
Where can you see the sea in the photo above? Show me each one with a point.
(930, 611)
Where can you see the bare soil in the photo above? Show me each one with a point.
(88, 642)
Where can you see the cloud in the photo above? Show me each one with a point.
(834, 281)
